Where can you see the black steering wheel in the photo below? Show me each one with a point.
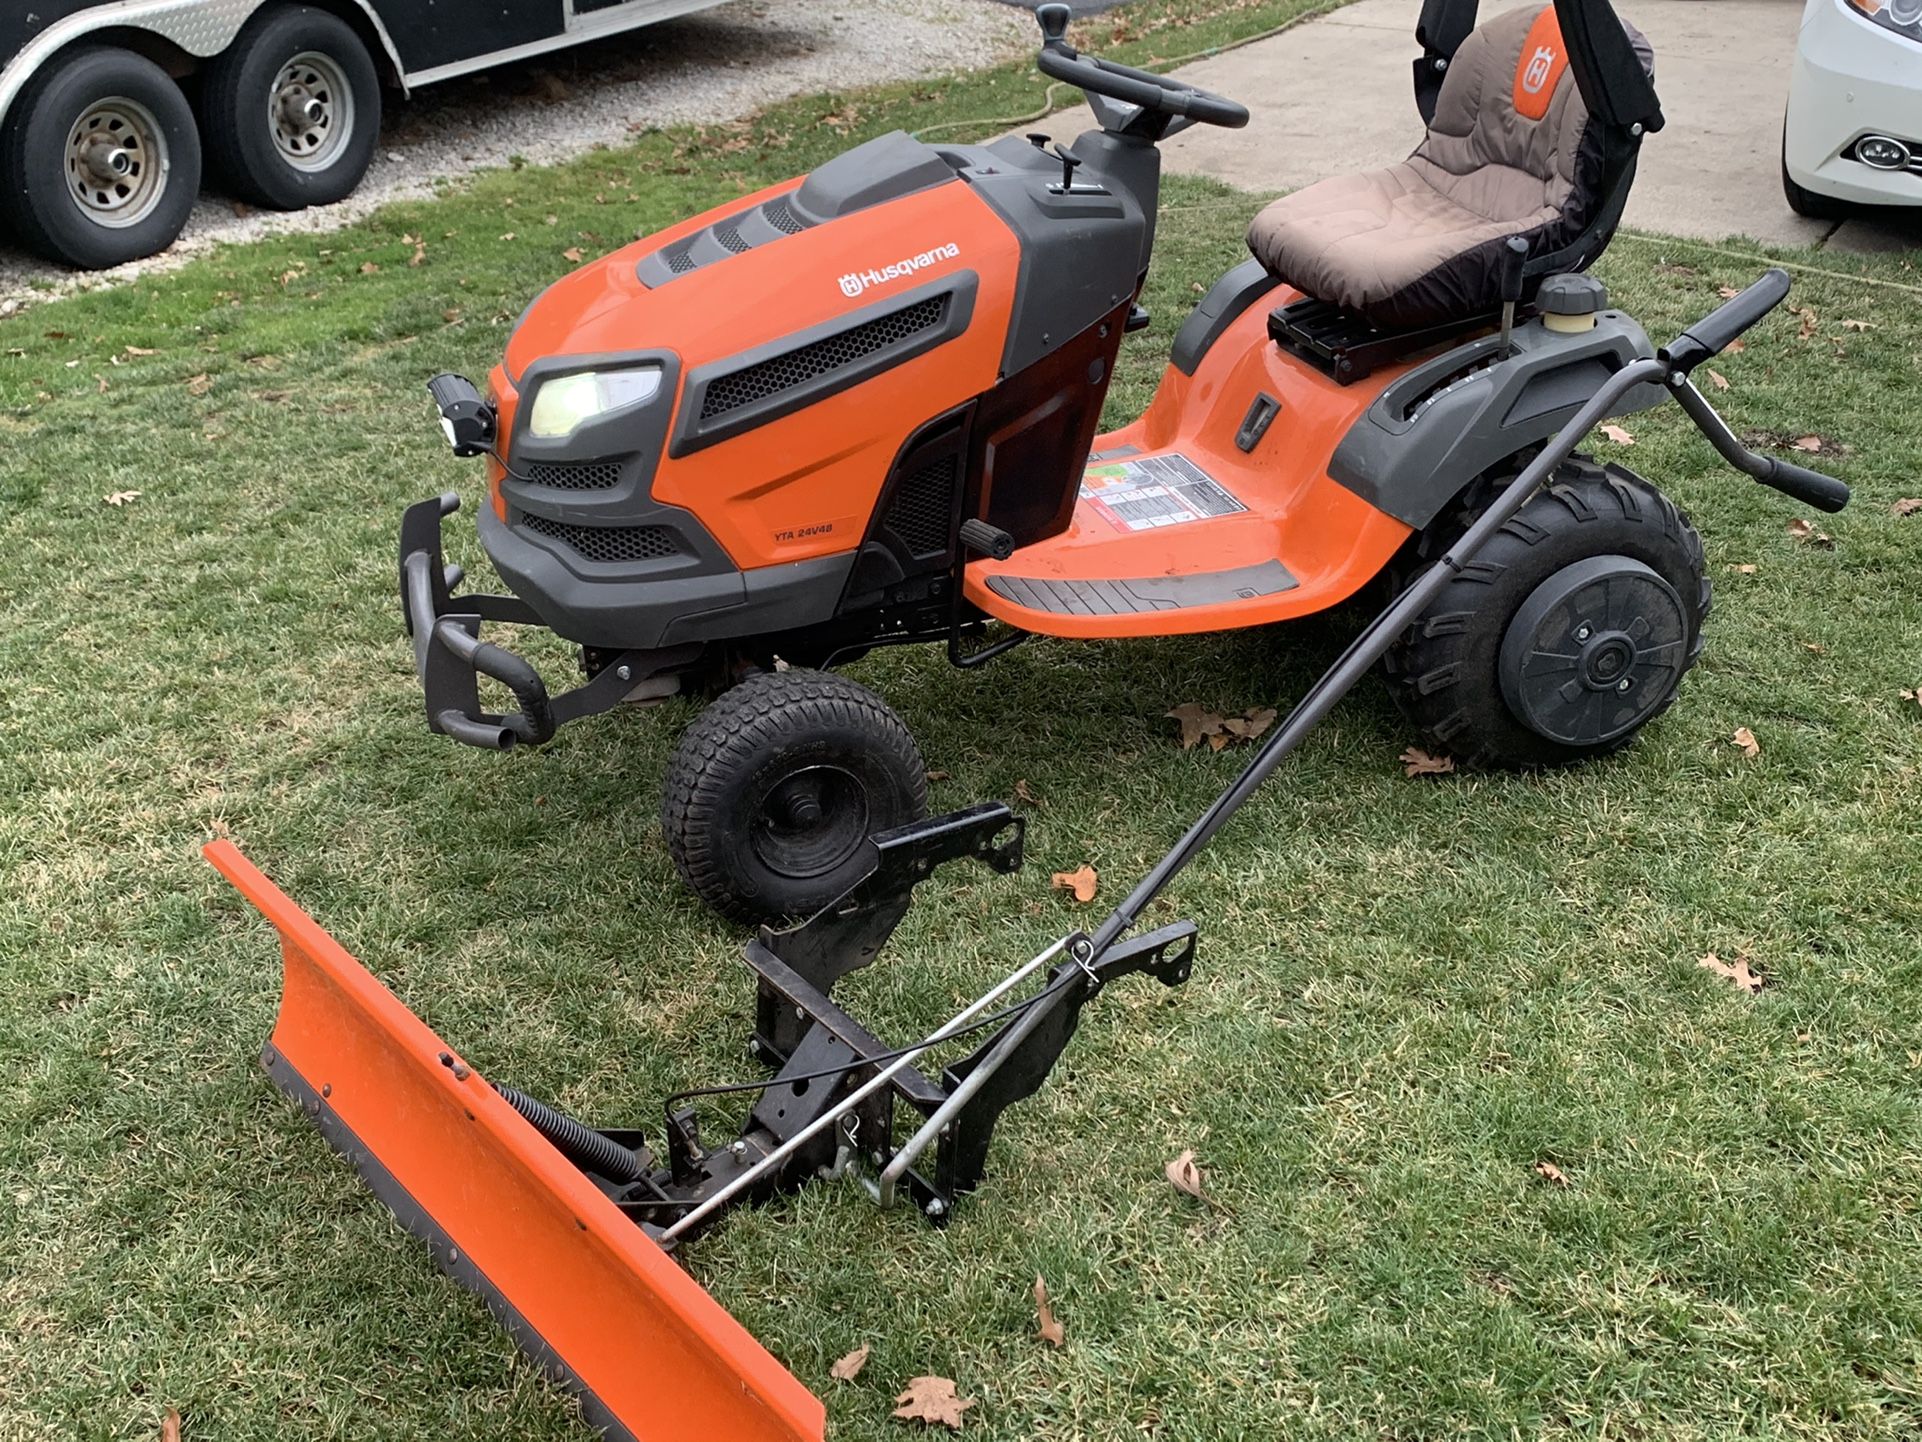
(1155, 94)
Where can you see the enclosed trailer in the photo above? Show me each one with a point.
(108, 108)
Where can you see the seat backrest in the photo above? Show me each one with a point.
(1512, 139)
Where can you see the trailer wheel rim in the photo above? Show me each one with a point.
(311, 111)
(810, 821)
(117, 162)
(1596, 650)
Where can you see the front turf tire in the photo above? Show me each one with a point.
(99, 160)
(291, 110)
(777, 785)
(1456, 673)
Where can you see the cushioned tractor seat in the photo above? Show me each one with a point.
(1511, 151)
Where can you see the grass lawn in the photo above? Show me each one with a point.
(1410, 992)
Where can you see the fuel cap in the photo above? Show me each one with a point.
(1571, 302)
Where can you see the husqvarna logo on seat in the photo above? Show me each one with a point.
(856, 282)
(1540, 66)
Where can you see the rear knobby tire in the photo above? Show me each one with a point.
(84, 110)
(1453, 673)
(777, 785)
(291, 110)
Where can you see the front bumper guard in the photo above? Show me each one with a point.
(450, 657)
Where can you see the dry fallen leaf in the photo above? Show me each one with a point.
(1736, 972)
(1025, 792)
(136, 350)
(1735, 347)
(1618, 434)
(1194, 723)
(1809, 322)
(1551, 1173)
(1198, 723)
(1745, 739)
(1907, 506)
(1858, 325)
(1747, 568)
(170, 1428)
(1806, 532)
(1717, 379)
(1185, 1177)
(1811, 444)
(121, 498)
(1082, 881)
(451, 315)
(573, 253)
(934, 776)
(1417, 762)
(849, 1367)
(1052, 1332)
(1727, 292)
(932, 1400)
(508, 236)
(369, 268)
(1915, 695)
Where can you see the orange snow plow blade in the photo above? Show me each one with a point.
(583, 1289)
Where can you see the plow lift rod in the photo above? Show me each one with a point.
(1670, 369)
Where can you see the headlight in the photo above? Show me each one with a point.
(566, 403)
(1904, 17)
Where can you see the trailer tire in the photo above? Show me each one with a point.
(116, 108)
(1474, 672)
(776, 787)
(291, 110)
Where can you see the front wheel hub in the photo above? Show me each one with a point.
(1594, 651)
(810, 821)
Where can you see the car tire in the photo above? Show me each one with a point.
(1598, 582)
(776, 787)
(99, 160)
(1807, 203)
(291, 110)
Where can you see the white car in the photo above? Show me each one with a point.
(1853, 134)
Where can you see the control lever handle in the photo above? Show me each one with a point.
(1054, 23)
(1070, 163)
(1514, 258)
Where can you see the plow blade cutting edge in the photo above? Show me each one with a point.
(582, 1289)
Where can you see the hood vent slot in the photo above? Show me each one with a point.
(736, 235)
(823, 357)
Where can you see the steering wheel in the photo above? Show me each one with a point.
(1154, 94)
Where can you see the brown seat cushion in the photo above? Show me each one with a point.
(1419, 242)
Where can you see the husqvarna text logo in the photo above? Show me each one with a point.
(856, 282)
(1540, 65)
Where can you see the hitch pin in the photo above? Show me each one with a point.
(880, 1079)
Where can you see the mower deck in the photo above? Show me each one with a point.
(1198, 519)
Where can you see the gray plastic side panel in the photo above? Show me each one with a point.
(1148, 593)
(1412, 466)
(692, 433)
(885, 168)
(1082, 254)
(1220, 308)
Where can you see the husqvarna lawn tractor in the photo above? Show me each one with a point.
(859, 409)
(1391, 383)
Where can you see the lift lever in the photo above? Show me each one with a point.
(1514, 256)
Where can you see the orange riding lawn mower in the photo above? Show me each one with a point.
(859, 410)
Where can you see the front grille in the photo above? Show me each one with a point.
(608, 543)
(805, 363)
(781, 216)
(592, 476)
(923, 507)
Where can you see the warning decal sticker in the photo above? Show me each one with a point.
(1141, 495)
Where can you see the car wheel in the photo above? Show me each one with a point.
(291, 110)
(100, 161)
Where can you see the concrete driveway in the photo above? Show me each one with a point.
(1334, 96)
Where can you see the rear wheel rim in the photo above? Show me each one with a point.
(809, 822)
(1595, 651)
(310, 111)
(117, 162)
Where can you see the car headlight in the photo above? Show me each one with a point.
(1904, 17)
(566, 403)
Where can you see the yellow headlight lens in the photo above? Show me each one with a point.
(566, 403)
